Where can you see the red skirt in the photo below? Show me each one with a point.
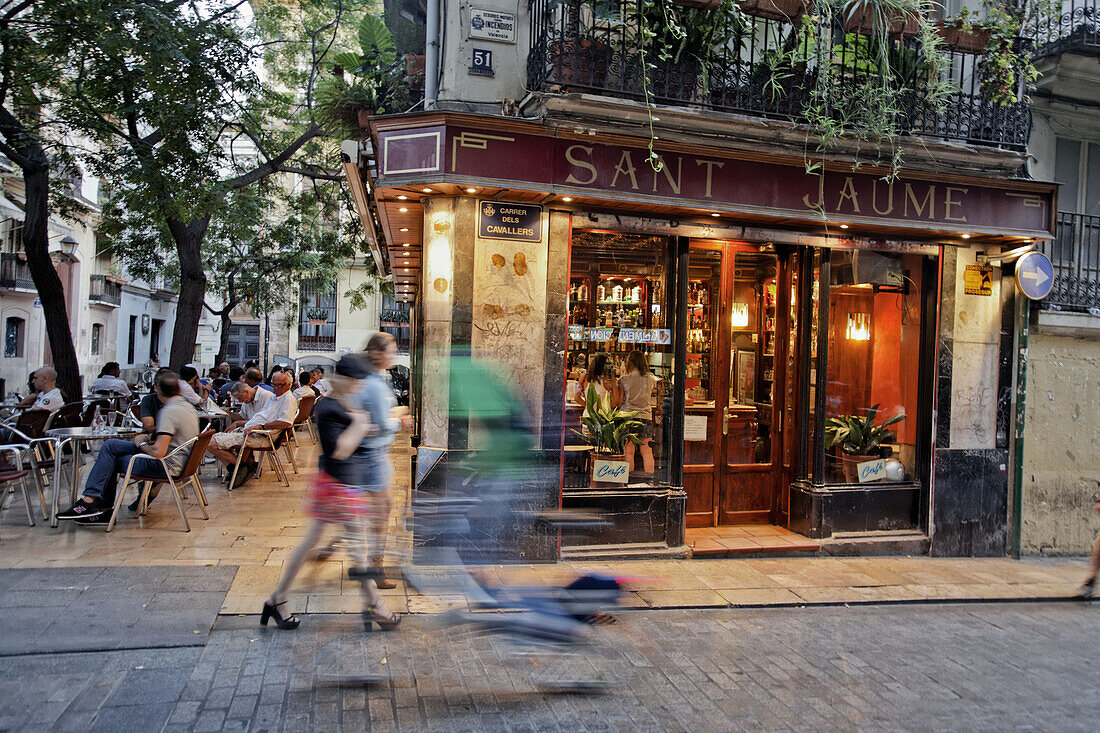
(331, 501)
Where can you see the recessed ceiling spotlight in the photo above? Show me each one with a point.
(406, 269)
(716, 215)
(966, 236)
(426, 190)
(403, 229)
(406, 244)
(843, 226)
(566, 199)
(403, 210)
(471, 189)
(402, 198)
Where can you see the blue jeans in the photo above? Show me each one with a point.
(112, 461)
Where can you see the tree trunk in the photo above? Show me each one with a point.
(188, 236)
(223, 342)
(36, 244)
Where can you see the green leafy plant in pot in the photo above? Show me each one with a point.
(607, 429)
(858, 439)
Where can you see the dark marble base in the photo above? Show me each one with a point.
(818, 512)
(500, 524)
(970, 503)
(634, 515)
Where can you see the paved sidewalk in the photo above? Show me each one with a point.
(252, 531)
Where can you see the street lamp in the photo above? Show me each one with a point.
(69, 245)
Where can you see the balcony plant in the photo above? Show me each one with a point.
(317, 316)
(858, 439)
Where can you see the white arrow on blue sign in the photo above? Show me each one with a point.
(1034, 275)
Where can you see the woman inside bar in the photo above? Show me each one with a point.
(600, 376)
(637, 390)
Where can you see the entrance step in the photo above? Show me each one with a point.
(894, 542)
(631, 551)
(748, 540)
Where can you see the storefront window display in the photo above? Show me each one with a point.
(619, 325)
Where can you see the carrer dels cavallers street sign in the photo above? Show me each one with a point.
(753, 187)
(504, 220)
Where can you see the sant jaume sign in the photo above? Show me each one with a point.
(737, 185)
(504, 220)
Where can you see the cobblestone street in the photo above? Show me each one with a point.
(959, 667)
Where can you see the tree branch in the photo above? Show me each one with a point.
(313, 174)
(272, 165)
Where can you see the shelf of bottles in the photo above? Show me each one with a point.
(700, 328)
(601, 307)
(765, 362)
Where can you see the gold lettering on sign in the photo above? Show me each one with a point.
(578, 163)
(848, 191)
(929, 201)
(816, 205)
(711, 165)
(949, 202)
(628, 170)
(667, 170)
(889, 198)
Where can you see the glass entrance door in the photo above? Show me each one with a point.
(739, 355)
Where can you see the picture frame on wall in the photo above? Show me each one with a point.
(746, 376)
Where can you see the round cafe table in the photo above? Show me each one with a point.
(76, 437)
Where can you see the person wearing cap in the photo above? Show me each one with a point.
(337, 496)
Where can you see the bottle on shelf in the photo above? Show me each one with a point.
(601, 293)
(582, 291)
(617, 293)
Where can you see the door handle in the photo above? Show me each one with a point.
(725, 421)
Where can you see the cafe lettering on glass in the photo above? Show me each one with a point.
(612, 471)
(539, 162)
(504, 220)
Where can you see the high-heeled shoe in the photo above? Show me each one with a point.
(272, 611)
(387, 621)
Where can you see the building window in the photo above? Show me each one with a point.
(395, 321)
(97, 338)
(317, 316)
(133, 340)
(13, 337)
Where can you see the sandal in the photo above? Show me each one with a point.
(387, 621)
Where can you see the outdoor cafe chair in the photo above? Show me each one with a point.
(189, 476)
(68, 415)
(275, 439)
(14, 471)
(305, 412)
(88, 416)
(30, 430)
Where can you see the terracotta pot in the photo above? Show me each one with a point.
(973, 40)
(593, 483)
(867, 21)
(849, 463)
(778, 9)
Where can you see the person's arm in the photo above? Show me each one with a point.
(582, 391)
(29, 399)
(158, 447)
(359, 428)
(123, 388)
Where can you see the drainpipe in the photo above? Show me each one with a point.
(431, 55)
(1023, 312)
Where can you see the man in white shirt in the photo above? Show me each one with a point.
(48, 396)
(109, 381)
(191, 389)
(277, 413)
(319, 382)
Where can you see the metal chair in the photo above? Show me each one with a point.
(13, 472)
(188, 476)
(305, 412)
(68, 415)
(275, 438)
(30, 430)
(88, 415)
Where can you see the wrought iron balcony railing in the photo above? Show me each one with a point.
(103, 290)
(14, 272)
(766, 65)
(1075, 254)
(1075, 28)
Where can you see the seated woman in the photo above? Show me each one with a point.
(600, 376)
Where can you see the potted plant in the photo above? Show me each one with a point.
(857, 439)
(608, 429)
(317, 316)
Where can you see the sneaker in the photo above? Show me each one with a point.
(82, 509)
(133, 506)
(101, 518)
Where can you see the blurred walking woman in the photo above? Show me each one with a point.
(379, 402)
(338, 494)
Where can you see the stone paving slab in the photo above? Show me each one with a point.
(60, 610)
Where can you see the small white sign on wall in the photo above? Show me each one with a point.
(617, 472)
(695, 427)
(871, 470)
(492, 25)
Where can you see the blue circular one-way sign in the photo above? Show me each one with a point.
(1034, 275)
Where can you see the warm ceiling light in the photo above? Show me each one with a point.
(403, 229)
(843, 226)
(406, 244)
(426, 190)
(715, 215)
(402, 198)
(406, 269)
(403, 210)
(566, 199)
(471, 190)
(966, 236)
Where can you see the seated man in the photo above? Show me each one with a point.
(254, 378)
(46, 395)
(236, 374)
(278, 413)
(109, 380)
(305, 379)
(319, 382)
(191, 389)
(176, 423)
